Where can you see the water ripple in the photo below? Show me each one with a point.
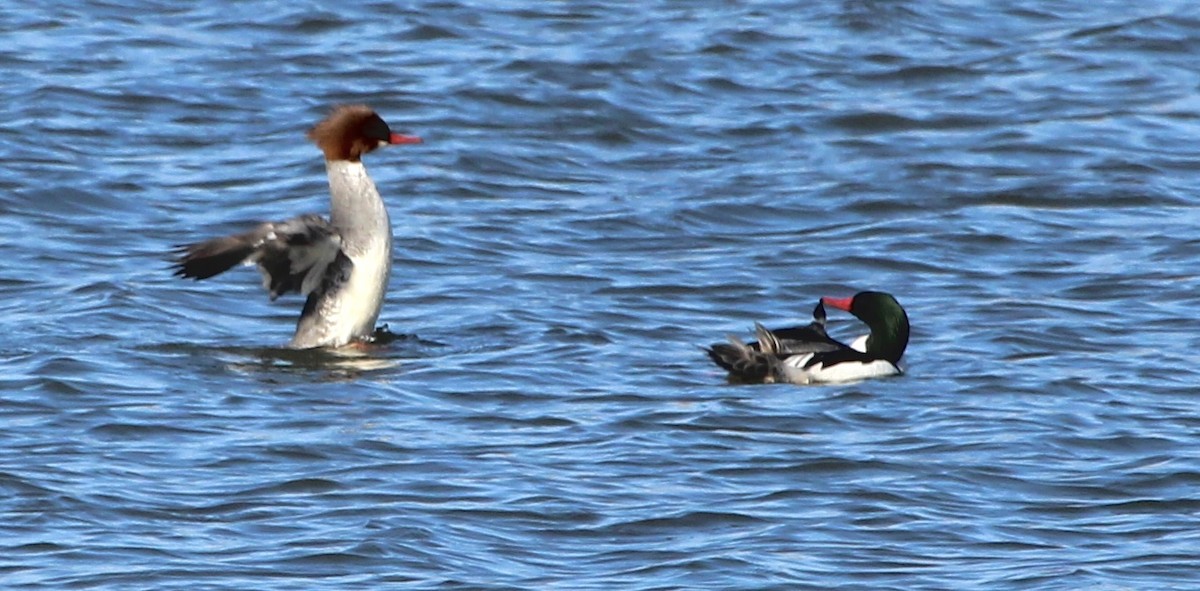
(603, 191)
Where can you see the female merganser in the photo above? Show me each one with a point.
(342, 264)
(807, 355)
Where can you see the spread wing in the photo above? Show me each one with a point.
(292, 255)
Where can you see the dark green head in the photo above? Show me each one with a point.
(884, 316)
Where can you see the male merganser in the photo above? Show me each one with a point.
(807, 355)
(342, 264)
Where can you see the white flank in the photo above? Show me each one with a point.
(362, 297)
(847, 371)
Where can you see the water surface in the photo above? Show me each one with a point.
(602, 191)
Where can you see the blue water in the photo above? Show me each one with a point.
(603, 190)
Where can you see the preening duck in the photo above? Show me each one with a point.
(341, 264)
(808, 355)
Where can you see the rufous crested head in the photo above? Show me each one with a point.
(353, 130)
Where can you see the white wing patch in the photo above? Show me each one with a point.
(860, 344)
(316, 260)
(294, 255)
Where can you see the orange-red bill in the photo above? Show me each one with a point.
(399, 138)
(839, 303)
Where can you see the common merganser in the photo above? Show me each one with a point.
(342, 264)
(807, 355)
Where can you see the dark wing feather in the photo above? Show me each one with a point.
(292, 255)
(742, 361)
(832, 358)
(212, 257)
(803, 339)
(796, 340)
(758, 361)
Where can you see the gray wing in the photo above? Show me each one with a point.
(292, 255)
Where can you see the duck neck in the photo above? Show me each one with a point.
(889, 339)
(356, 209)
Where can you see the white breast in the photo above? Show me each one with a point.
(362, 297)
